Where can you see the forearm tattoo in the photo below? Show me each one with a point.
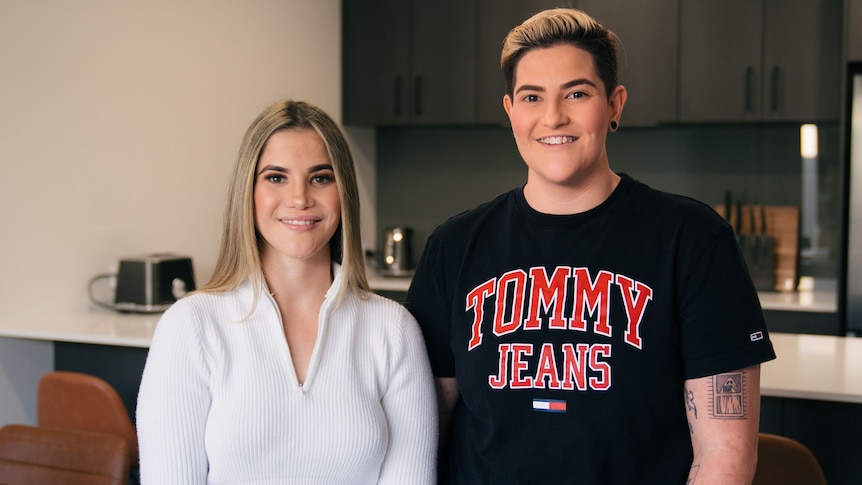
(727, 396)
(692, 475)
(689, 402)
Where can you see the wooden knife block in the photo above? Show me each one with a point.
(782, 223)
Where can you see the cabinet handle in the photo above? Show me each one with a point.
(773, 99)
(749, 91)
(397, 95)
(418, 96)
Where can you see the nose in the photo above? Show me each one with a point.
(554, 115)
(298, 196)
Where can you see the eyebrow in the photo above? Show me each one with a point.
(570, 84)
(316, 168)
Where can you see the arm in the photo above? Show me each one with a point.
(447, 396)
(173, 403)
(408, 403)
(723, 413)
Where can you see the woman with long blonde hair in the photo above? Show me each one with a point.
(284, 367)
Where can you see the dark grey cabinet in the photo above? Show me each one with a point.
(760, 60)
(413, 62)
(853, 29)
(408, 62)
(648, 55)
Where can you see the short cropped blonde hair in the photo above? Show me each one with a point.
(562, 26)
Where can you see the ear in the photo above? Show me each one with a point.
(617, 101)
(507, 105)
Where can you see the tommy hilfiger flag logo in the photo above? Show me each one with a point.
(756, 336)
(549, 405)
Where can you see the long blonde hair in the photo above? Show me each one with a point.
(241, 243)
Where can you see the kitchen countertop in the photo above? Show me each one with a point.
(103, 327)
(819, 367)
(821, 301)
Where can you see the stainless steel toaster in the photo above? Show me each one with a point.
(152, 283)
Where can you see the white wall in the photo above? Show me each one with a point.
(120, 121)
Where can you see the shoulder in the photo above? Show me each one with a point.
(374, 307)
(459, 229)
(652, 206)
(227, 304)
(381, 315)
(200, 311)
(469, 218)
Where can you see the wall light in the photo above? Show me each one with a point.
(808, 141)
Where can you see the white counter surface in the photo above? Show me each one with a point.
(816, 367)
(824, 301)
(98, 326)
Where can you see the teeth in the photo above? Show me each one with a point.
(297, 223)
(557, 140)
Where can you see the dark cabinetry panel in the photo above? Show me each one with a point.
(438, 63)
(853, 41)
(763, 60)
(831, 430)
(816, 323)
(408, 62)
(648, 55)
(375, 59)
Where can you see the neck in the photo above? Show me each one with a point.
(570, 198)
(292, 280)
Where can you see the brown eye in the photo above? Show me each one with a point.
(322, 179)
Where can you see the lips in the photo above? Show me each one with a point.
(556, 140)
(299, 222)
(296, 222)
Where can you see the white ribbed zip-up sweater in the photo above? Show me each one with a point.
(220, 402)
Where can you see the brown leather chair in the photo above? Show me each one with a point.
(784, 461)
(31, 455)
(72, 400)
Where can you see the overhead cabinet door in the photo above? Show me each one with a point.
(375, 60)
(720, 58)
(760, 60)
(802, 60)
(648, 55)
(409, 62)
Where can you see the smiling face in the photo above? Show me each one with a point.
(296, 201)
(560, 115)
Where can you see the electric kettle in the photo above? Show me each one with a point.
(396, 252)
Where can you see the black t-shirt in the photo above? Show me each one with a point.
(571, 335)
